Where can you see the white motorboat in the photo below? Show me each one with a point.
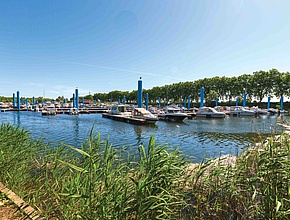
(172, 114)
(120, 110)
(273, 111)
(120, 113)
(259, 111)
(238, 111)
(209, 112)
(142, 113)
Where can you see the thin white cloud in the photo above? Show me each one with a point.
(103, 67)
(34, 84)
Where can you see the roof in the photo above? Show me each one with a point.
(142, 110)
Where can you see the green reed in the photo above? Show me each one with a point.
(255, 187)
(101, 182)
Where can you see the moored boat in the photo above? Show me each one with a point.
(273, 111)
(142, 113)
(120, 113)
(238, 111)
(120, 110)
(208, 112)
(172, 114)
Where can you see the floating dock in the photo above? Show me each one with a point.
(62, 110)
(126, 119)
(12, 109)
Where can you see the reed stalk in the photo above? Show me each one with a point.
(101, 182)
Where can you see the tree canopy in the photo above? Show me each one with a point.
(258, 85)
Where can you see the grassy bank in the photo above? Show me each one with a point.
(100, 182)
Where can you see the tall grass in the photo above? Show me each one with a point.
(255, 187)
(101, 182)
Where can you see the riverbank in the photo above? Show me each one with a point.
(100, 182)
(13, 207)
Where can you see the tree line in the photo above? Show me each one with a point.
(257, 86)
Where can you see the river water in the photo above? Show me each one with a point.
(198, 138)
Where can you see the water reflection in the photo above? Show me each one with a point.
(198, 137)
(76, 129)
(138, 132)
(16, 118)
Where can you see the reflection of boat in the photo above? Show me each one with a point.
(237, 111)
(49, 112)
(142, 113)
(209, 112)
(73, 111)
(273, 111)
(172, 114)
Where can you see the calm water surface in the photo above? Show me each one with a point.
(198, 138)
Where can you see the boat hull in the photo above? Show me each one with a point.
(126, 119)
(210, 115)
(242, 113)
(173, 118)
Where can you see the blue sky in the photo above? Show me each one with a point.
(48, 48)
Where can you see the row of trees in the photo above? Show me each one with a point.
(258, 85)
(37, 99)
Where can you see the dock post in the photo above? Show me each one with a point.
(159, 100)
(237, 101)
(281, 102)
(216, 101)
(245, 100)
(268, 104)
(77, 98)
(124, 100)
(18, 100)
(188, 102)
(140, 93)
(201, 97)
(184, 102)
(14, 102)
(74, 101)
(146, 101)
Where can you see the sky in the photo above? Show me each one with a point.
(49, 48)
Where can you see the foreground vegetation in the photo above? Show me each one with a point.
(100, 182)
